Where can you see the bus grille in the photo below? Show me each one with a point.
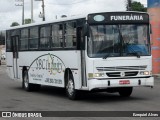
(118, 74)
(122, 68)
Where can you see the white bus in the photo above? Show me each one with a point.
(99, 52)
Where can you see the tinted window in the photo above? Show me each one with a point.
(24, 39)
(57, 38)
(45, 37)
(33, 39)
(70, 34)
(8, 41)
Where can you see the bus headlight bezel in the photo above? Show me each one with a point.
(95, 75)
(145, 73)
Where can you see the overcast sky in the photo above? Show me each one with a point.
(10, 13)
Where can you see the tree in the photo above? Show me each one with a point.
(135, 6)
(27, 21)
(14, 24)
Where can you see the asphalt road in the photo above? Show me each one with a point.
(14, 98)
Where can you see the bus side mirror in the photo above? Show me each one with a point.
(150, 28)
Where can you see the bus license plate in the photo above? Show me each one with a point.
(124, 82)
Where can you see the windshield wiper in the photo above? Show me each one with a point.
(135, 54)
(108, 55)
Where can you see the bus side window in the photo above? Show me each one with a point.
(56, 36)
(24, 39)
(33, 38)
(8, 41)
(45, 37)
(15, 32)
(70, 34)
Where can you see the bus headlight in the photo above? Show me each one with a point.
(145, 73)
(92, 75)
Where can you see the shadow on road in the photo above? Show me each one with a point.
(92, 97)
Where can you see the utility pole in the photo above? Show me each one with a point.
(42, 15)
(43, 10)
(32, 11)
(22, 5)
(129, 2)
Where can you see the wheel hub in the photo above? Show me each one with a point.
(70, 87)
(26, 81)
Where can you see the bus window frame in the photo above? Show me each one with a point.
(39, 41)
(23, 38)
(79, 23)
(64, 34)
(29, 39)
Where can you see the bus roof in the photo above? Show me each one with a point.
(47, 22)
(74, 17)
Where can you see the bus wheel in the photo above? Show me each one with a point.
(125, 91)
(70, 89)
(29, 86)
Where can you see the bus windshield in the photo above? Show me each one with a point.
(118, 40)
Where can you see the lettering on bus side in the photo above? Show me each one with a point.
(47, 68)
(56, 81)
(53, 65)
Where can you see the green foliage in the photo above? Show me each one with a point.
(137, 6)
(14, 24)
(27, 21)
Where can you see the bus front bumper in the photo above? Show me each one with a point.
(111, 83)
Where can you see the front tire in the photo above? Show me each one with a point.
(125, 91)
(71, 92)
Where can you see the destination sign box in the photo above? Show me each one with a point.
(118, 18)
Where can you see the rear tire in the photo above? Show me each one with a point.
(125, 91)
(29, 86)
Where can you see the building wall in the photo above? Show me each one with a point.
(154, 12)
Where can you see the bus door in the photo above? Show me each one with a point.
(15, 40)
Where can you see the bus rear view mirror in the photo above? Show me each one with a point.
(150, 28)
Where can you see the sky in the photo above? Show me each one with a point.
(9, 12)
